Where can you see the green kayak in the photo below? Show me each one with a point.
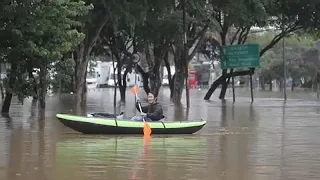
(100, 125)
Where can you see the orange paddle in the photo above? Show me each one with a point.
(146, 127)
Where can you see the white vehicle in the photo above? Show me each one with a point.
(91, 82)
(105, 75)
(104, 69)
(132, 79)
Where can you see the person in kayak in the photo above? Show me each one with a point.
(153, 111)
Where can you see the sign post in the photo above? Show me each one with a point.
(241, 56)
(251, 88)
(318, 70)
(233, 92)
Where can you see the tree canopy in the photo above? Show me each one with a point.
(33, 35)
(47, 35)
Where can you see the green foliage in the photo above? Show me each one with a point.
(295, 48)
(53, 31)
(63, 74)
(36, 33)
(294, 14)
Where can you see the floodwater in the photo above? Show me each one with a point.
(266, 140)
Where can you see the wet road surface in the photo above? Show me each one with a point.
(269, 139)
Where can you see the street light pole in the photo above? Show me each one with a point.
(317, 70)
(185, 52)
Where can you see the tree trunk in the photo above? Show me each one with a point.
(262, 84)
(178, 83)
(80, 83)
(7, 102)
(270, 84)
(122, 89)
(155, 82)
(225, 86)
(2, 90)
(81, 64)
(42, 87)
(122, 93)
(170, 77)
(292, 85)
(73, 84)
(8, 97)
(35, 88)
(280, 85)
(122, 82)
(171, 85)
(145, 79)
(214, 86)
(223, 79)
(155, 78)
(84, 91)
(1, 82)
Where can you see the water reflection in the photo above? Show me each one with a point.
(264, 140)
(126, 158)
(8, 120)
(282, 173)
(224, 114)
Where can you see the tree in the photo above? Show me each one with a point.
(94, 22)
(42, 31)
(153, 41)
(298, 66)
(197, 23)
(118, 36)
(285, 16)
(236, 19)
(63, 76)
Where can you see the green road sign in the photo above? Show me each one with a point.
(240, 56)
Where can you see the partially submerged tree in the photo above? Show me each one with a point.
(171, 39)
(93, 25)
(118, 37)
(298, 55)
(284, 16)
(36, 33)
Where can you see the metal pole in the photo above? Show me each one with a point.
(251, 87)
(135, 80)
(318, 90)
(233, 93)
(317, 69)
(284, 72)
(185, 51)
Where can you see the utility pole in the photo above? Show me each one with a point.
(317, 70)
(185, 52)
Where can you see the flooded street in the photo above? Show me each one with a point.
(266, 140)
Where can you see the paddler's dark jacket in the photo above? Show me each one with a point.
(153, 111)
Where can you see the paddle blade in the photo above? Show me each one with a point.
(146, 129)
(135, 89)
